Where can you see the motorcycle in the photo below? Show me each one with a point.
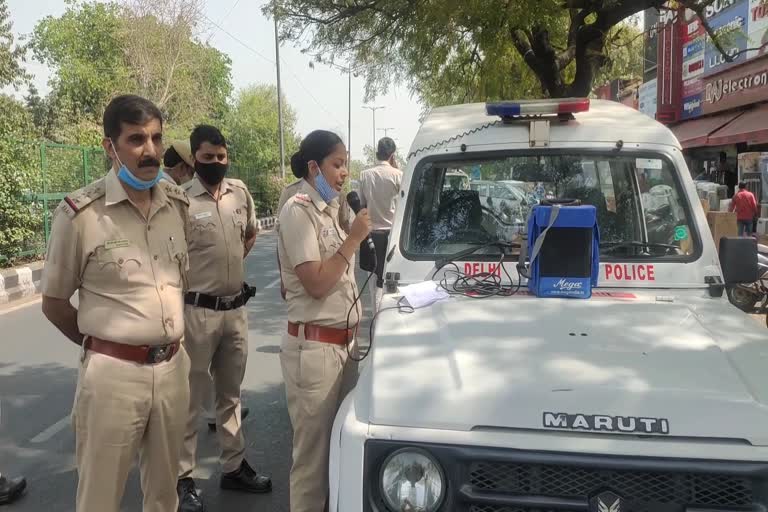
(746, 296)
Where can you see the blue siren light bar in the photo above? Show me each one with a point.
(537, 107)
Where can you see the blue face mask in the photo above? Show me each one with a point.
(131, 180)
(323, 188)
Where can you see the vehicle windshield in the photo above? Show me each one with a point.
(641, 207)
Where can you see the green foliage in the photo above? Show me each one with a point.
(99, 50)
(11, 56)
(17, 178)
(458, 51)
(252, 129)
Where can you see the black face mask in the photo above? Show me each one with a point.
(211, 173)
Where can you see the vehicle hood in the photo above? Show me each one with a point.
(503, 363)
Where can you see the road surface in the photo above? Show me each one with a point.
(38, 373)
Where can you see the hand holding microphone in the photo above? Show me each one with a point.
(361, 227)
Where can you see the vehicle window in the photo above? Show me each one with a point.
(638, 200)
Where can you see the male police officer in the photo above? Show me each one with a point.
(222, 232)
(178, 162)
(120, 243)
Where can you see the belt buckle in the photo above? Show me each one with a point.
(224, 302)
(158, 354)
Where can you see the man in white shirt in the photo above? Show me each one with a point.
(379, 187)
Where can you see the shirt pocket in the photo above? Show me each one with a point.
(330, 242)
(202, 232)
(124, 263)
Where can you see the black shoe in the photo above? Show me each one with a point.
(11, 490)
(246, 479)
(189, 501)
(243, 414)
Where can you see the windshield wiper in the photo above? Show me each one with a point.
(612, 246)
(471, 250)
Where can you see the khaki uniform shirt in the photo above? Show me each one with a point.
(310, 231)
(346, 215)
(129, 271)
(379, 187)
(217, 234)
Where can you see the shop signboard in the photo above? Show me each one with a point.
(647, 97)
(692, 106)
(651, 43)
(758, 28)
(670, 64)
(729, 19)
(736, 87)
(692, 86)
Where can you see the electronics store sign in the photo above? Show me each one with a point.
(742, 86)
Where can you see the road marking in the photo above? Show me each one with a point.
(51, 431)
(273, 284)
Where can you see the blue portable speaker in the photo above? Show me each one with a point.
(564, 249)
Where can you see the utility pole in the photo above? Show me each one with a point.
(386, 131)
(349, 121)
(373, 109)
(279, 101)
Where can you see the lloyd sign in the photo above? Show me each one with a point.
(740, 86)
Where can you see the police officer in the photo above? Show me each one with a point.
(178, 162)
(317, 265)
(120, 243)
(222, 232)
(345, 216)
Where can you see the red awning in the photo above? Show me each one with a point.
(751, 127)
(696, 132)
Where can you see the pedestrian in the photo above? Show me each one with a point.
(120, 243)
(178, 162)
(745, 206)
(222, 231)
(726, 175)
(317, 264)
(11, 490)
(379, 187)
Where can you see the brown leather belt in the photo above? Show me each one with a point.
(323, 334)
(142, 354)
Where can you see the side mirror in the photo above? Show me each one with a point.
(738, 259)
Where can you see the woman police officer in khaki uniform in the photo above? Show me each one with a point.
(317, 265)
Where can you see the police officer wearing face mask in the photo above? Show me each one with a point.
(222, 231)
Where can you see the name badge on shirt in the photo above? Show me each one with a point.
(203, 215)
(116, 244)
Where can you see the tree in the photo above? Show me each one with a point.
(17, 178)
(147, 47)
(252, 129)
(11, 56)
(475, 48)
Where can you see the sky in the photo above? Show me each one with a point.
(320, 96)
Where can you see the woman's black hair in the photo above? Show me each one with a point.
(315, 146)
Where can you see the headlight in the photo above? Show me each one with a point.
(412, 481)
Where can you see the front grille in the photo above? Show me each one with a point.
(503, 480)
(643, 489)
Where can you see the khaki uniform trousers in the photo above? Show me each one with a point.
(317, 378)
(123, 409)
(217, 343)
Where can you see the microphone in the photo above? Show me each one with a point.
(354, 202)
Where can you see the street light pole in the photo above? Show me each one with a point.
(349, 121)
(386, 131)
(279, 101)
(373, 109)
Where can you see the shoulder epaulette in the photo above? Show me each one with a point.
(174, 191)
(237, 183)
(186, 186)
(302, 199)
(80, 199)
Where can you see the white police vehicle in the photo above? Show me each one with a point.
(650, 396)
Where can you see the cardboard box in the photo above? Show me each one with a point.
(722, 224)
(762, 227)
(725, 204)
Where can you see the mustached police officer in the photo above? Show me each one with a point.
(120, 243)
(222, 232)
